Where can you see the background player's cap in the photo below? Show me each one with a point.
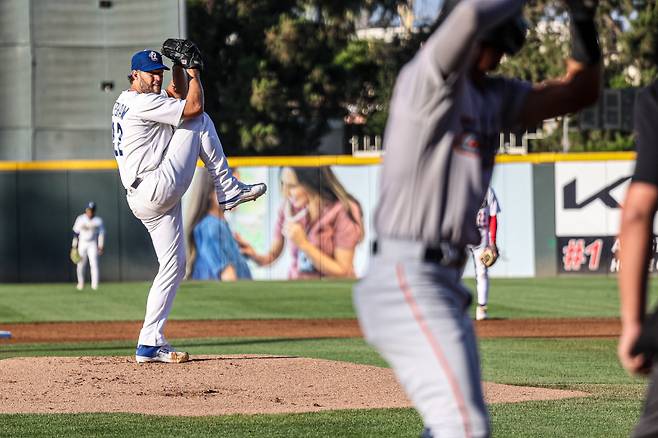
(91, 205)
(147, 60)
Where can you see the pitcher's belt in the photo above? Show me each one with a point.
(445, 254)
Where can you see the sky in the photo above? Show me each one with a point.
(427, 10)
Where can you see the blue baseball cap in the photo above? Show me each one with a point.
(147, 60)
(91, 205)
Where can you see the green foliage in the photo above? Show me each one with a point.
(277, 71)
(629, 39)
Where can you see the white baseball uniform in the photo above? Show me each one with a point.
(489, 207)
(157, 156)
(91, 236)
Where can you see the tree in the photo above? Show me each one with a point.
(627, 36)
(278, 70)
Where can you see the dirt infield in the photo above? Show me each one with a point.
(217, 385)
(212, 385)
(294, 328)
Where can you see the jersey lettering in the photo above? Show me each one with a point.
(117, 134)
(119, 110)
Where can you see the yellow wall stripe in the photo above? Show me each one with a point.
(312, 161)
(553, 157)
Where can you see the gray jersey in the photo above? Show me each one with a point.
(440, 141)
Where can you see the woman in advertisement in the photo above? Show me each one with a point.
(212, 252)
(320, 219)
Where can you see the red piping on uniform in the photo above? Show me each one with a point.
(493, 228)
(436, 348)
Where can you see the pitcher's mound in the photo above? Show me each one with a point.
(211, 385)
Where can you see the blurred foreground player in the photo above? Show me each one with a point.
(441, 138)
(87, 245)
(158, 137)
(636, 353)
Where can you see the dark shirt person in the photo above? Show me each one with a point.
(635, 238)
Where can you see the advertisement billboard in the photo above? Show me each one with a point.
(588, 198)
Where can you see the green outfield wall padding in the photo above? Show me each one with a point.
(37, 211)
(9, 249)
(543, 177)
(136, 254)
(42, 227)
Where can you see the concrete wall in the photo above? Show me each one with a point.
(56, 57)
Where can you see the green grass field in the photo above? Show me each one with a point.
(582, 364)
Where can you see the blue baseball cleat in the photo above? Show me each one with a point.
(162, 353)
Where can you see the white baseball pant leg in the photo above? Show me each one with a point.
(156, 202)
(166, 231)
(415, 314)
(92, 255)
(481, 275)
(81, 265)
(212, 155)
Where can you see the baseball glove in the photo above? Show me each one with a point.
(75, 256)
(489, 256)
(183, 52)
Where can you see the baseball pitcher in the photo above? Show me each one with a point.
(87, 245)
(158, 136)
(441, 137)
(486, 253)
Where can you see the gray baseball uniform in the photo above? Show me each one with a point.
(440, 144)
(490, 207)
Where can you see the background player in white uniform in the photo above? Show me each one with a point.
(89, 239)
(158, 137)
(442, 134)
(487, 222)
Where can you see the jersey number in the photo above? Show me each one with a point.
(117, 133)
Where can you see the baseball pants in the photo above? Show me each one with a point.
(156, 202)
(481, 274)
(647, 426)
(88, 253)
(415, 314)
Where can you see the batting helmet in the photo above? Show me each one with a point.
(508, 37)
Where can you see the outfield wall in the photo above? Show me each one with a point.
(552, 205)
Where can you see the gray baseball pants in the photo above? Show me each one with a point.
(415, 313)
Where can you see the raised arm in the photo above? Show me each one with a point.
(194, 103)
(452, 43)
(580, 85)
(178, 86)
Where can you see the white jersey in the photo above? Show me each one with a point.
(142, 126)
(89, 230)
(488, 208)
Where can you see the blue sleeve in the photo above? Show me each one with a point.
(208, 242)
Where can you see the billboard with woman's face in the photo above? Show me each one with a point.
(316, 223)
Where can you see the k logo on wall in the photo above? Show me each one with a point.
(588, 197)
